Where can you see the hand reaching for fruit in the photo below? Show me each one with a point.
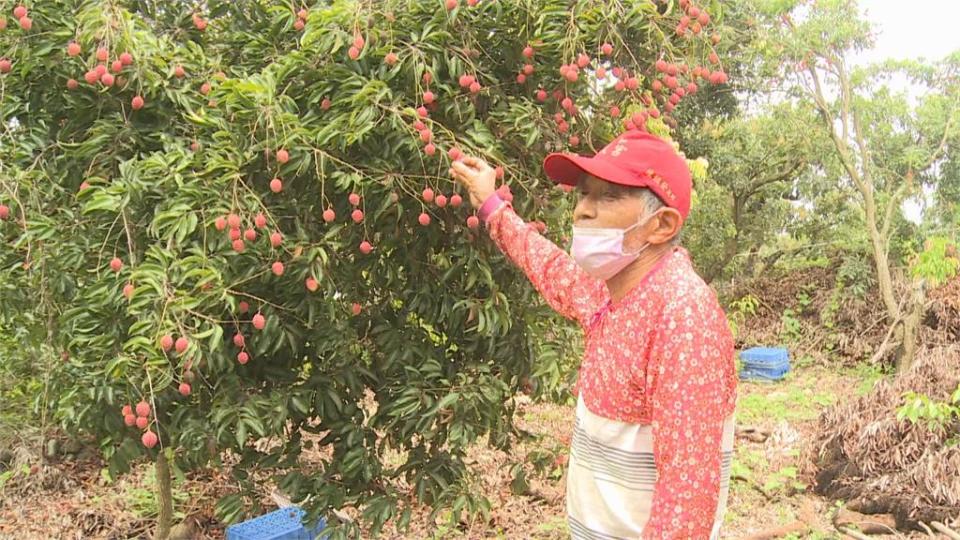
(477, 176)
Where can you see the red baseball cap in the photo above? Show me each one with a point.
(635, 158)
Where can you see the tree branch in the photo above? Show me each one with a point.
(842, 148)
(778, 177)
(888, 212)
(943, 143)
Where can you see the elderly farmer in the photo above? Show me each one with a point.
(653, 435)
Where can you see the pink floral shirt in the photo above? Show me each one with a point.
(662, 356)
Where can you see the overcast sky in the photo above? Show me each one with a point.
(914, 29)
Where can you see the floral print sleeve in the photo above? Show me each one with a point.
(693, 357)
(559, 279)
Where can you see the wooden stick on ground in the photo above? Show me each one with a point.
(854, 534)
(804, 523)
(946, 530)
(929, 532)
(798, 527)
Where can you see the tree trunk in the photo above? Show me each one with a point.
(911, 329)
(731, 246)
(164, 498)
(881, 247)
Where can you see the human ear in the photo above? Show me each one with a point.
(667, 225)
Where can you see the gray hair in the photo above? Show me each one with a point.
(652, 203)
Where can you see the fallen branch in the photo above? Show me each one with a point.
(866, 524)
(803, 524)
(954, 535)
(753, 434)
(854, 534)
(797, 527)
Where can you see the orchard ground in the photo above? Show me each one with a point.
(72, 495)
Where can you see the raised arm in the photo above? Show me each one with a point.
(559, 279)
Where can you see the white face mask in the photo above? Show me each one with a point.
(600, 251)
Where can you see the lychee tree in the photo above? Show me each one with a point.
(234, 219)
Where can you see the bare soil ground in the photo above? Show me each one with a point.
(73, 498)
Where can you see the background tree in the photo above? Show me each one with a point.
(890, 145)
(755, 163)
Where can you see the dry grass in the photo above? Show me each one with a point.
(865, 453)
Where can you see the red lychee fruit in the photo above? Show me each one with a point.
(259, 322)
(143, 408)
(149, 439)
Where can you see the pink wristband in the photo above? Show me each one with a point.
(490, 206)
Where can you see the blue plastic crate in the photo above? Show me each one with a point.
(282, 524)
(764, 363)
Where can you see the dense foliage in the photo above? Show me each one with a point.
(237, 226)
